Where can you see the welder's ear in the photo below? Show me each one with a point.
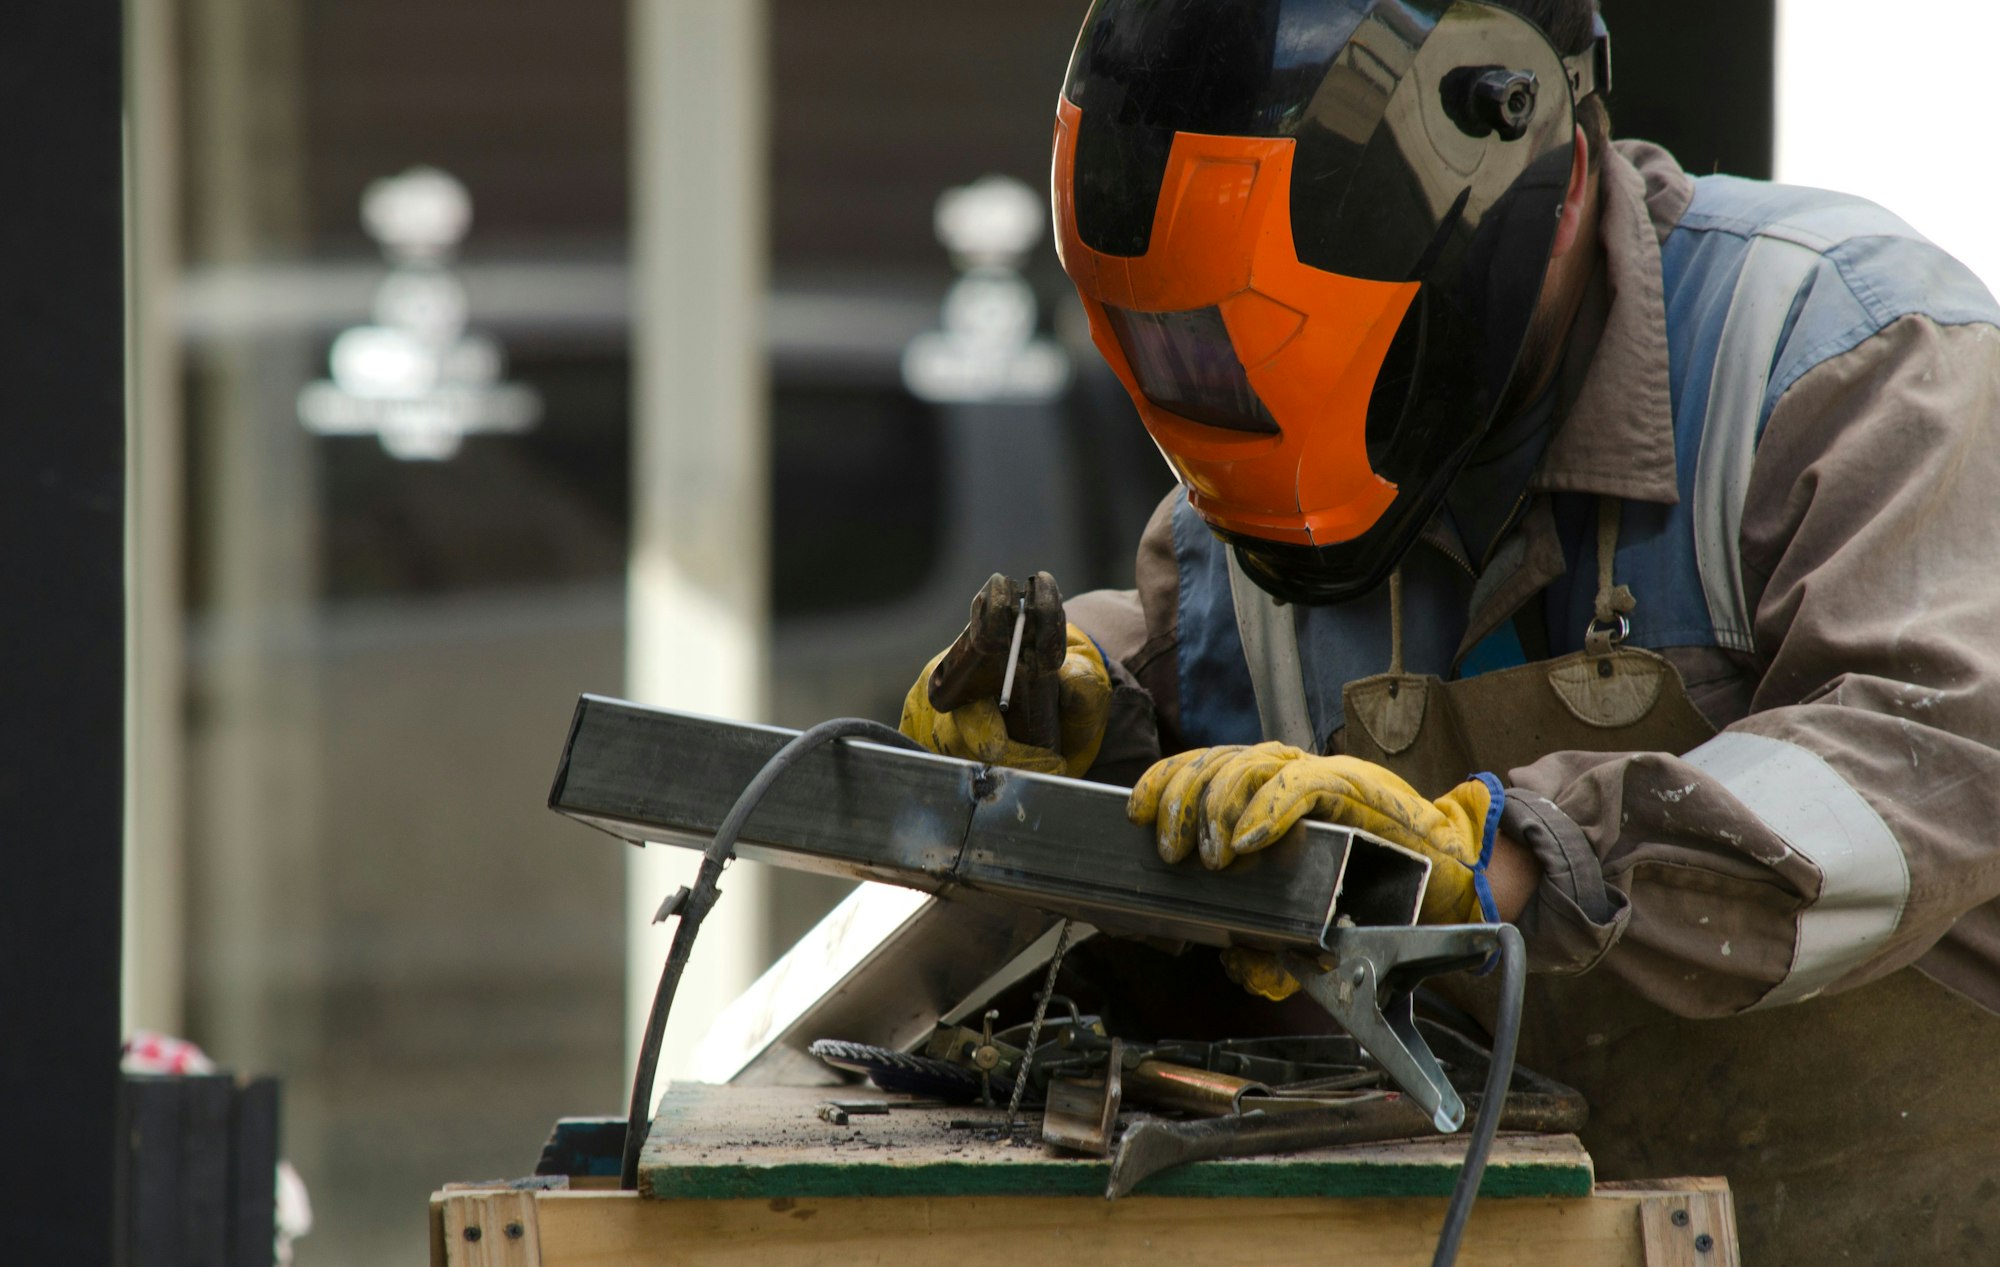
(1570, 227)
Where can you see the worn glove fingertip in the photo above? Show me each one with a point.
(1141, 813)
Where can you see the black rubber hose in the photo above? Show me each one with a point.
(701, 898)
(1499, 1075)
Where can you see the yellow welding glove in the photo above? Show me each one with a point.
(1236, 800)
(1260, 972)
(978, 731)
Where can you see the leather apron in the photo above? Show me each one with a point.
(1862, 1127)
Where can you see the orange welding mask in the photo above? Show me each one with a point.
(1310, 236)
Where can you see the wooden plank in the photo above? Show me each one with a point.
(1691, 1228)
(732, 1143)
(582, 1229)
(490, 1229)
(440, 1256)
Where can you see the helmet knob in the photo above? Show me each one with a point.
(1494, 99)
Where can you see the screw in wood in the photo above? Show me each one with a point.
(1680, 1218)
(472, 1233)
(515, 1231)
(1704, 1243)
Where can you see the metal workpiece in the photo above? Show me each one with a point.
(651, 775)
(883, 967)
(1166, 1085)
(947, 826)
(996, 840)
(1082, 1113)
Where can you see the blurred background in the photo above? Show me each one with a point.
(489, 354)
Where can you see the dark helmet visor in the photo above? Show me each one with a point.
(1186, 365)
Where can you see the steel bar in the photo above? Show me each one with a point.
(883, 967)
(946, 826)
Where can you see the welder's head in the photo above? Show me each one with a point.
(1310, 236)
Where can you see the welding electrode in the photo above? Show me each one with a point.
(1014, 654)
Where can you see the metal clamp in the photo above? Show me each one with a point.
(1368, 991)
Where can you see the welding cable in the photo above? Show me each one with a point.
(694, 904)
(1499, 1075)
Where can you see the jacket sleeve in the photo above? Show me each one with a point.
(1843, 827)
(1138, 631)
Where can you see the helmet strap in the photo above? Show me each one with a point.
(1590, 71)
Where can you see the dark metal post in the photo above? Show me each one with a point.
(1698, 76)
(62, 622)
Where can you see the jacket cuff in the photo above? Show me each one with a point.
(1131, 732)
(1575, 917)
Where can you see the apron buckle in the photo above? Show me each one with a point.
(1599, 639)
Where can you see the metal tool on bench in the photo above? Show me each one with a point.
(1275, 1123)
(1246, 1097)
(966, 831)
(878, 811)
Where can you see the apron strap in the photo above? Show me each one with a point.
(1270, 637)
(1614, 602)
(1396, 622)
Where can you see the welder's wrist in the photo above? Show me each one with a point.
(1512, 876)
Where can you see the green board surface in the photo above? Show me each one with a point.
(724, 1142)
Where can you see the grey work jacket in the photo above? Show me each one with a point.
(1868, 544)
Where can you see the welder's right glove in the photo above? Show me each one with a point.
(1234, 800)
(977, 730)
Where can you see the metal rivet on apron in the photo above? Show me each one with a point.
(1604, 668)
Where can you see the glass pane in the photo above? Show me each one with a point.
(403, 321)
(385, 645)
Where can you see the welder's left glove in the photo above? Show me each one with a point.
(1229, 801)
(977, 731)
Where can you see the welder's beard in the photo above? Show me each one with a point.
(1541, 350)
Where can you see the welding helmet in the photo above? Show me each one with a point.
(1310, 236)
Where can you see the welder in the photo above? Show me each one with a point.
(1624, 541)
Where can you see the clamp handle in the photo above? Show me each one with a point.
(1369, 992)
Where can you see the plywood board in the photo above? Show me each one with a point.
(733, 1143)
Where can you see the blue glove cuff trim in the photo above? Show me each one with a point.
(1491, 832)
(1099, 646)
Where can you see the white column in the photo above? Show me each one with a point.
(154, 875)
(256, 917)
(698, 619)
